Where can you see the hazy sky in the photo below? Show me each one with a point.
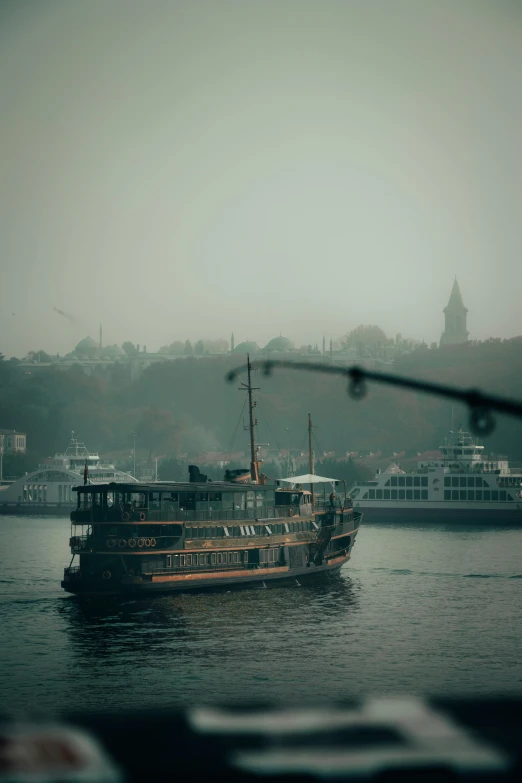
(185, 169)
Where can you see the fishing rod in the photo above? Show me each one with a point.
(481, 406)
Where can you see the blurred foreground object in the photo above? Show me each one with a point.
(381, 736)
(373, 739)
(481, 406)
(52, 753)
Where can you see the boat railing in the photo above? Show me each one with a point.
(339, 505)
(137, 543)
(112, 514)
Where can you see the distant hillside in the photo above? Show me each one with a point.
(185, 406)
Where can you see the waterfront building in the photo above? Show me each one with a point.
(13, 442)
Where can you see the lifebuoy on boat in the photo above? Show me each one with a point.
(141, 542)
(111, 542)
(106, 574)
(147, 542)
(142, 516)
(132, 542)
(125, 516)
(122, 543)
(153, 542)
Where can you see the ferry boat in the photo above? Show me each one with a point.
(465, 485)
(167, 537)
(49, 489)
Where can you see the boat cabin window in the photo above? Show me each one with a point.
(155, 501)
(235, 500)
(138, 500)
(187, 501)
(288, 498)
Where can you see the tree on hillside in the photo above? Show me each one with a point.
(199, 348)
(343, 470)
(371, 336)
(18, 464)
(175, 348)
(129, 348)
(173, 470)
(5, 371)
(188, 348)
(158, 432)
(215, 346)
(39, 356)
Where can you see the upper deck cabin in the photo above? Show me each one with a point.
(190, 501)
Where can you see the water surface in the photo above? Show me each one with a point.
(418, 610)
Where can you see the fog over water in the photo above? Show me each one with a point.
(183, 169)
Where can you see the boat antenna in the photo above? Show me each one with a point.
(311, 456)
(254, 473)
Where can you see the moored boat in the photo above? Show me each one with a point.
(464, 485)
(49, 490)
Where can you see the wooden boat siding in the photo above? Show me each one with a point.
(245, 574)
(217, 545)
(213, 575)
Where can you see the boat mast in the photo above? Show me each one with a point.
(251, 423)
(310, 455)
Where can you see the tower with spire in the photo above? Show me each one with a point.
(455, 315)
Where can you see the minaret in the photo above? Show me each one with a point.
(455, 315)
(232, 343)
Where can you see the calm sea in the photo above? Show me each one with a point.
(433, 610)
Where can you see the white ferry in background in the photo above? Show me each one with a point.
(48, 490)
(464, 486)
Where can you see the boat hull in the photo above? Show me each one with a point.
(459, 516)
(182, 583)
